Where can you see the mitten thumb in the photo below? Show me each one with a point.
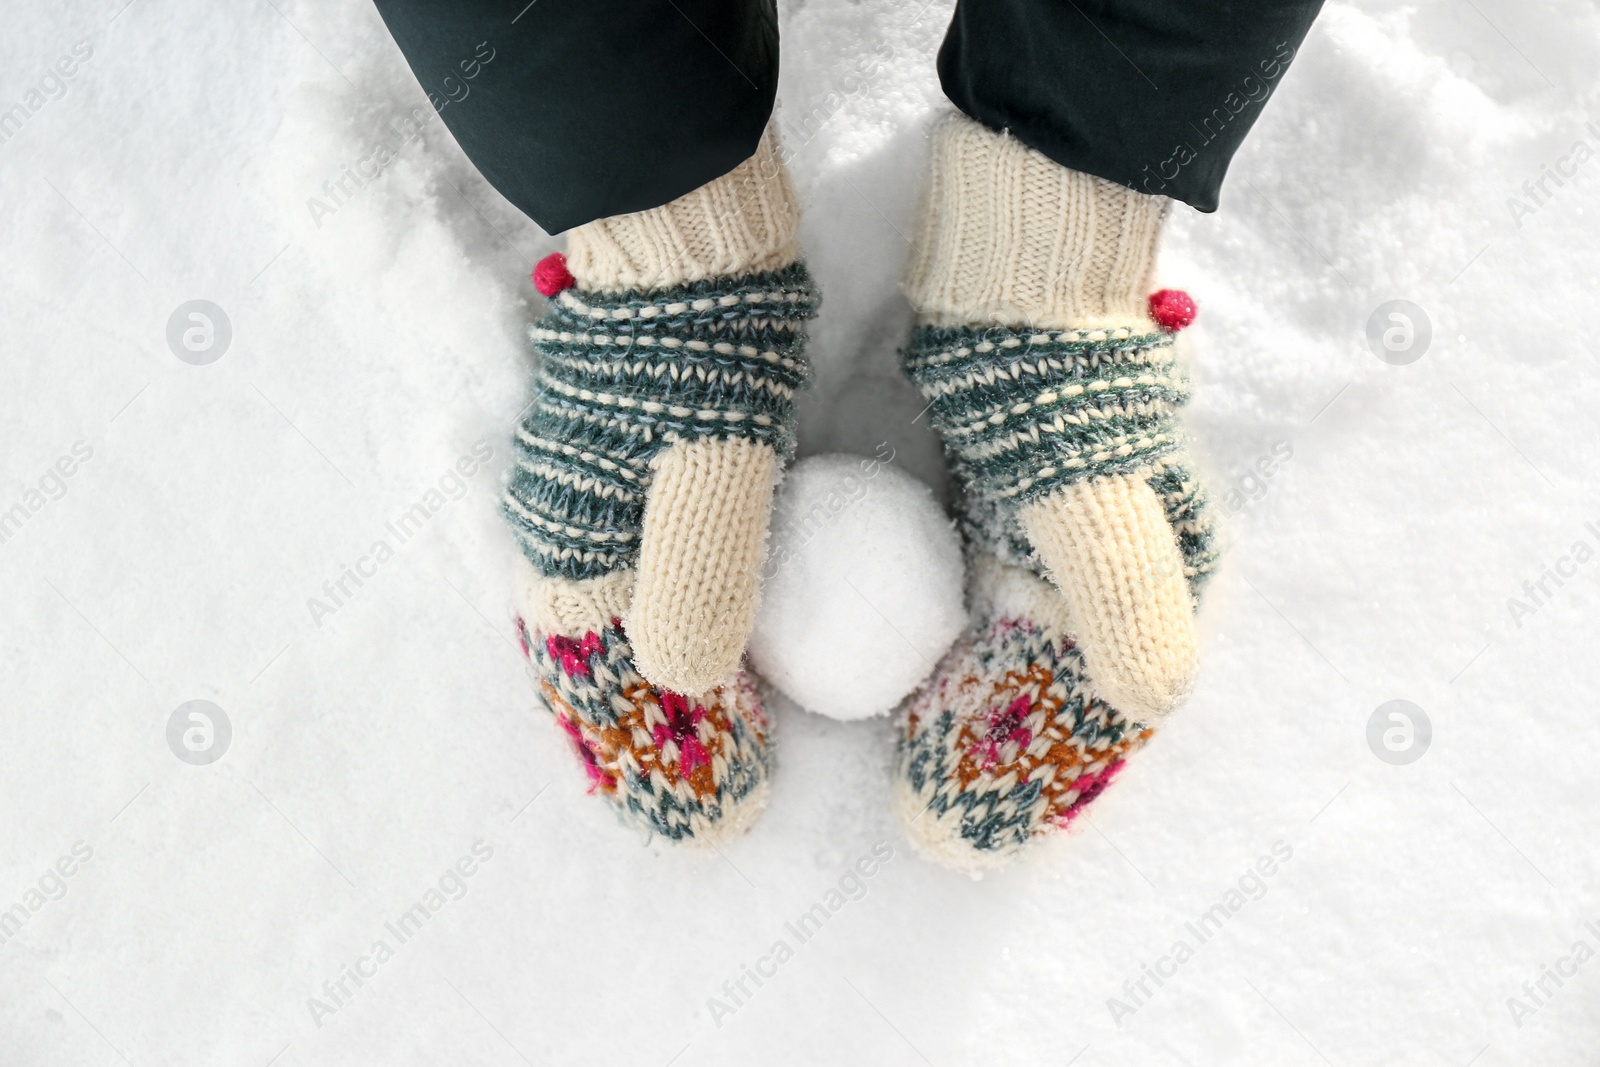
(1106, 544)
(705, 528)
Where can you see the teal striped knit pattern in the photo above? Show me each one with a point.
(622, 376)
(1023, 413)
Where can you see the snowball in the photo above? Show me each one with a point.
(861, 588)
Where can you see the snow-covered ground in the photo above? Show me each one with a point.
(386, 745)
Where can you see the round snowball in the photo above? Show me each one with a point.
(861, 588)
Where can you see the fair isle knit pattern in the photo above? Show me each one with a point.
(684, 769)
(1023, 413)
(1008, 743)
(624, 375)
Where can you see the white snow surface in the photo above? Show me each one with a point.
(861, 590)
(373, 745)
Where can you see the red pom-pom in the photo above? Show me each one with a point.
(551, 275)
(1173, 309)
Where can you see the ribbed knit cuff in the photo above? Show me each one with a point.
(1008, 236)
(745, 222)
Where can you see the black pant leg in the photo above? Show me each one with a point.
(1154, 94)
(590, 108)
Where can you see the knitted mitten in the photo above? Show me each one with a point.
(662, 413)
(1055, 391)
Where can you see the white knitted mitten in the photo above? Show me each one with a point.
(662, 414)
(1055, 389)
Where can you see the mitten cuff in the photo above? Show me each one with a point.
(745, 222)
(1007, 236)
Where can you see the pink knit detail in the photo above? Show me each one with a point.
(1005, 726)
(598, 778)
(574, 656)
(1089, 786)
(683, 727)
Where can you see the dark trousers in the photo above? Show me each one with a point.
(589, 108)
